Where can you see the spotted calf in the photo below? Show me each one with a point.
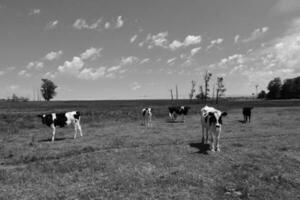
(211, 120)
(178, 110)
(54, 120)
(147, 116)
(247, 113)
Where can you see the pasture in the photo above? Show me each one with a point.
(118, 158)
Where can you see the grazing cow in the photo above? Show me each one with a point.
(247, 113)
(211, 120)
(178, 110)
(147, 116)
(62, 119)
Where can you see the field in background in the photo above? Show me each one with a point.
(119, 159)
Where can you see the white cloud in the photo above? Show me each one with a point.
(146, 60)
(92, 74)
(195, 50)
(133, 38)
(53, 55)
(215, 42)
(82, 24)
(1, 73)
(236, 38)
(24, 73)
(91, 53)
(36, 64)
(286, 6)
(51, 25)
(78, 68)
(120, 22)
(35, 11)
(189, 40)
(171, 61)
(175, 45)
(107, 25)
(129, 60)
(135, 86)
(14, 87)
(157, 40)
(72, 67)
(114, 68)
(192, 40)
(257, 33)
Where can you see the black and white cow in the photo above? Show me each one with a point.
(62, 119)
(247, 113)
(178, 110)
(147, 116)
(211, 120)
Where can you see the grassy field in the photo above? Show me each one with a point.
(118, 158)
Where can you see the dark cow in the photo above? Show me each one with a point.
(247, 113)
(178, 110)
(62, 119)
(147, 116)
(211, 120)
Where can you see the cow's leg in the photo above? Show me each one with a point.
(170, 115)
(218, 139)
(79, 128)
(212, 143)
(203, 139)
(75, 127)
(207, 135)
(249, 118)
(53, 132)
(150, 121)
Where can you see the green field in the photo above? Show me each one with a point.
(118, 158)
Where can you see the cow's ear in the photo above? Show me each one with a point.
(41, 116)
(224, 114)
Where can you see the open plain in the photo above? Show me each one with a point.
(118, 158)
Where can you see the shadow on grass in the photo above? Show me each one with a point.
(242, 121)
(174, 121)
(56, 139)
(203, 148)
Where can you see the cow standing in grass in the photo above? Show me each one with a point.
(178, 110)
(62, 119)
(147, 116)
(211, 120)
(247, 114)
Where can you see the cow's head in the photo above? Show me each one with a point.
(215, 118)
(185, 109)
(43, 117)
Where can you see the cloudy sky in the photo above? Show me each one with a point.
(128, 49)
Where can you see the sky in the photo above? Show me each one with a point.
(138, 49)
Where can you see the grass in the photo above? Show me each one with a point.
(119, 159)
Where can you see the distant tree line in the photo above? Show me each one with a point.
(15, 98)
(289, 89)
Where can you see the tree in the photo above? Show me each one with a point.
(262, 95)
(191, 94)
(290, 88)
(220, 88)
(48, 89)
(274, 88)
(207, 77)
(200, 96)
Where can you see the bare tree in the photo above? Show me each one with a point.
(207, 77)
(171, 95)
(176, 94)
(191, 94)
(220, 88)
